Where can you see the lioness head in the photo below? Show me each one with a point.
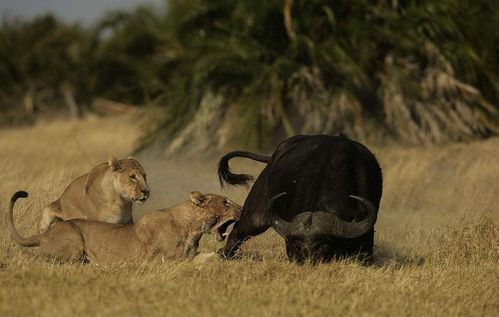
(221, 211)
(129, 179)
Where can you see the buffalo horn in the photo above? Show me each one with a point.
(344, 229)
(280, 225)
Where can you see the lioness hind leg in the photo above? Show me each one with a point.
(63, 242)
(49, 216)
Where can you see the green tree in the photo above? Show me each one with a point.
(415, 69)
(253, 72)
(42, 64)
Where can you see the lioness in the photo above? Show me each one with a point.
(164, 234)
(104, 194)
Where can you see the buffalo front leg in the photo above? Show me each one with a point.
(243, 230)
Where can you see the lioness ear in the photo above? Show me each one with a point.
(113, 163)
(197, 198)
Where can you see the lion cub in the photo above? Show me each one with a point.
(104, 194)
(164, 234)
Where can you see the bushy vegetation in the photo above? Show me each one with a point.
(252, 72)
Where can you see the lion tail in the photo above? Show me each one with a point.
(32, 241)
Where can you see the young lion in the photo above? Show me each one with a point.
(104, 194)
(165, 234)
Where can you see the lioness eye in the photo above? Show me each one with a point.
(132, 177)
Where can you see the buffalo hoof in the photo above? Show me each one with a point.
(224, 256)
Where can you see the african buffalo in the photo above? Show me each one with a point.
(320, 192)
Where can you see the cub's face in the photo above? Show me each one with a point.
(129, 179)
(221, 211)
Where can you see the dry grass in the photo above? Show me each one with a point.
(437, 239)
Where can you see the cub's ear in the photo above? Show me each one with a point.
(197, 198)
(113, 163)
(132, 158)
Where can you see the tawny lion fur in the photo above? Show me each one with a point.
(104, 194)
(170, 233)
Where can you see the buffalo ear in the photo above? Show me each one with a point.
(197, 198)
(113, 163)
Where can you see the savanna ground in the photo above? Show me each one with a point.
(437, 238)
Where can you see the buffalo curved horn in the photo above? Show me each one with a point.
(344, 229)
(280, 225)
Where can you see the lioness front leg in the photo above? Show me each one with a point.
(191, 246)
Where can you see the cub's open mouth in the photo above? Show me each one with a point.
(220, 232)
(141, 200)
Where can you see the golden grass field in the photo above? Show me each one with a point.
(437, 239)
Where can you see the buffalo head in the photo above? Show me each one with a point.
(319, 235)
